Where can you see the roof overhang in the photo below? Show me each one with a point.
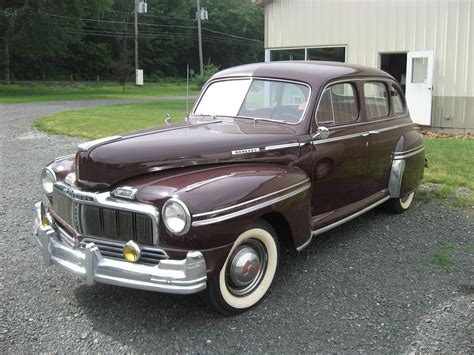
(261, 2)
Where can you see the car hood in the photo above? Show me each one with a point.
(105, 163)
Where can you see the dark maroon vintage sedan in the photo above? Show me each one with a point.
(270, 151)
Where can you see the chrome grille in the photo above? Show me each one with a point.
(114, 250)
(116, 224)
(103, 222)
(62, 205)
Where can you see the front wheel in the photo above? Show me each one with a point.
(248, 271)
(401, 204)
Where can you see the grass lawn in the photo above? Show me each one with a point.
(110, 120)
(39, 92)
(451, 164)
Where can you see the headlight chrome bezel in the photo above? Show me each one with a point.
(187, 214)
(48, 173)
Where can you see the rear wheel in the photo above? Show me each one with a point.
(248, 271)
(401, 204)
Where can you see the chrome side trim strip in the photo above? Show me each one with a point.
(282, 146)
(250, 209)
(408, 151)
(404, 156)
(249, 201)
(361, 134)
(335, 139)
(342, 221)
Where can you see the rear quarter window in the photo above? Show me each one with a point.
(398, 103)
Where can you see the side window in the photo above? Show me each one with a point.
(397, 100)
(376, 100)
(338, 105)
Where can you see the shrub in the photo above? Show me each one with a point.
(209, 70)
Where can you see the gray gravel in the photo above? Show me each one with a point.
(370, 285)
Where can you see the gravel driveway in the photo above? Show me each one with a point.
(370, 285)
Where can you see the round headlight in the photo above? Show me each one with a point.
(176, 216)
(48, 178)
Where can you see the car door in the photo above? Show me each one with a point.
(384, 110)
(340, 160)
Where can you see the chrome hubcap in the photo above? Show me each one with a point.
(246, 267)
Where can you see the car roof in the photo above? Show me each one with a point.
(315, 73)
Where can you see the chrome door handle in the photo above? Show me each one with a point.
(365, 134)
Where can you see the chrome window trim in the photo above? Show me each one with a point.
(250, 209)
(104, 199)
(356, 96)
(252, 78)
(349, 80)
(203, 214)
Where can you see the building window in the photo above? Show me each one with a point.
(287, 54)
(338, 105)
(376, 100)
(330, 54)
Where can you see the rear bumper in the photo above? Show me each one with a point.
(185, 276)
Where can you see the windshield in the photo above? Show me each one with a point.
(255, 98)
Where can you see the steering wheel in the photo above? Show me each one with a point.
(289, 114)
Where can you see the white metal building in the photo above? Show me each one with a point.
(427, 45)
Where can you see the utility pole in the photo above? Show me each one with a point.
(135, 11)
(201, 63)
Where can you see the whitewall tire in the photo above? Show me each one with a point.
(401, 204)
(248, 271)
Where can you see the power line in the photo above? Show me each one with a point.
(156, 25)
(115, 34)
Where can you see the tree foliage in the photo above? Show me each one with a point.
(49, 39)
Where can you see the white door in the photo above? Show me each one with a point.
(419, 86)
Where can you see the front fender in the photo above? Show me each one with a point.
(224, 199)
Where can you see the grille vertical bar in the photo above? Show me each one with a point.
(105, 222)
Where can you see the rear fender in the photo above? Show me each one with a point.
(408, 164)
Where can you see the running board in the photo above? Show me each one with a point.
(341, 221)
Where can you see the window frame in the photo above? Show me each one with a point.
(397, 88)
(388, 100)
(357, 100)
(252, 78)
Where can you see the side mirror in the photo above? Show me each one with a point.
(322, 133)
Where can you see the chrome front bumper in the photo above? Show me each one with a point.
(171, 276)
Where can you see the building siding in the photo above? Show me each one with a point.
(369, 27)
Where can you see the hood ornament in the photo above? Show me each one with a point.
(168, 119)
